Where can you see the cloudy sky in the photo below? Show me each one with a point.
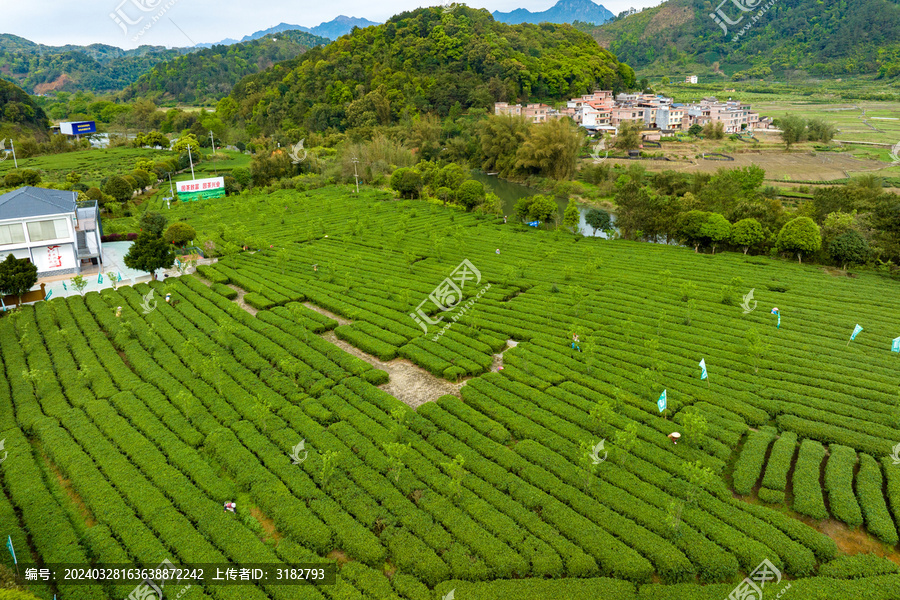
(186, 22)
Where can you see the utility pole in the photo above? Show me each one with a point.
(13, 145)
(191, 158)
(212, 139)
(355, 174)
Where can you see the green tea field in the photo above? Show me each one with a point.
(548, 470)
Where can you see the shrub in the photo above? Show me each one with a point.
(839, 484)
(749, 465)
(808, 499)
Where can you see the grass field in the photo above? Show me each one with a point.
(126, 434)
(96, 164)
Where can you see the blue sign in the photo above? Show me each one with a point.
(855, 333)
(534, 223)
(895, 345)
(661, 403)
(84, 127)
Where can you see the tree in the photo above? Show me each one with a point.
(625, 440)
(747, 233)
(188, 139)
(793, 130)
(551, 149)
(690, 228)
(17, 276)
(542, 208)
(152, 222)
(79, 283)
(179, 234)
(149, 253)
(714, 130)
(501, 137)
(628, 135)
(849, 248)
(695, 130)
(820, 131)
(117, 187)
(716, 229)
(407, 182)
(799, 236)
(698, 478)
(598, 219)
(695, 426)
(572, 216)
(470, 194)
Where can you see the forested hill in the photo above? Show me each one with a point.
(210, 74)
(18, 113)
(823, 37)
(422, 61)
(40, 69)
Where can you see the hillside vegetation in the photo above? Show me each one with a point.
(424, 61)
(40, 69)
(209, 74)
(19, 113)
(823, 37)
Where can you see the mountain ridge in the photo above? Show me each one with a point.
(564, 11)
(333, 29)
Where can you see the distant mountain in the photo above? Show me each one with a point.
(332, 30)
(823, 37)
(564, 11)
(39, 69)
(206, 76)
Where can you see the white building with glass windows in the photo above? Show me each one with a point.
(51, 228)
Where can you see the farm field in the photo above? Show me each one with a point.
(126, 434)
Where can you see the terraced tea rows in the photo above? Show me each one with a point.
(153, 420)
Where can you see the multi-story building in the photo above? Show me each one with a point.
(51, 229)
(601, 111)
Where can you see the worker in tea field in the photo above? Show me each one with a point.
(576, 342)
(230, 506)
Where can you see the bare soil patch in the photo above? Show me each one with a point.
(408, 383)
(240, 300)
(270, 531)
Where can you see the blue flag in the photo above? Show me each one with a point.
(661, 403)
(47, 297)
(3, 303)
(895, 345)
(65, 289)
(703, 374)
(775, 311)
(100, 279)
(855, 333)
(12, 551)
(120, 277)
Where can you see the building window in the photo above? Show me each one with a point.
(54, 229)
(12, 234)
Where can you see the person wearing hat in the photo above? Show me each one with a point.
(230, 506)
(674, 437)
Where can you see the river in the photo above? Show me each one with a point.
(509, 193)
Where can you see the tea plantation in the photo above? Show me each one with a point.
(126, 434)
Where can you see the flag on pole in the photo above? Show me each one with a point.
(703, 374)
(12, 550)
(895, 346)
(661, 403)
(3, 303)
(100, 278)
(119, 274)
(855, 333)
(776, 312)
(65, 289)
(47, 297)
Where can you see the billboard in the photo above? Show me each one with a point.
(77, 127)
(200, 189)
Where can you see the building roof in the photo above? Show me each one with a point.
(27, 202)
